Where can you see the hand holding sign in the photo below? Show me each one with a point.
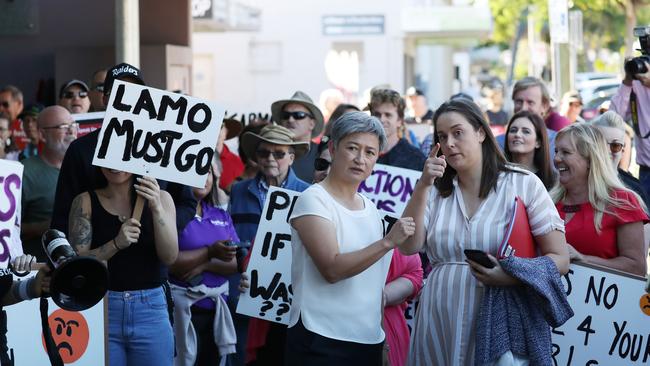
(434, 167)
(148, 189)
(129, 234)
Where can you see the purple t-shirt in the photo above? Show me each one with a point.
(554, 121)
(214, 225)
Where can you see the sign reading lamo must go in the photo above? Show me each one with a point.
(152, 132)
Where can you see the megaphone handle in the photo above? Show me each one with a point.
(137, 210)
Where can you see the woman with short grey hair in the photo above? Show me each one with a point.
(341, 256)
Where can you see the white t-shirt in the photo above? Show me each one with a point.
(349, 310)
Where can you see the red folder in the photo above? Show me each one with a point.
(518, 240)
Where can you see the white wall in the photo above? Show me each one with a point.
(297, 28)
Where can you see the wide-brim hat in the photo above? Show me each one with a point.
(272, 134)
(234, 127)
(304, 100)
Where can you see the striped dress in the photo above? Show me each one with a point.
(449, 302)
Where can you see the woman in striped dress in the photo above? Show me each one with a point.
(468, 207)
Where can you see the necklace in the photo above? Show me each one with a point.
(571, 208)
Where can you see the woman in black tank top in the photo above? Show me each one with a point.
(137, 253)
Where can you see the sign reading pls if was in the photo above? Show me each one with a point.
(156, 133)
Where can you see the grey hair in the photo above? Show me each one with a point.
(357, 122)
(612, 119)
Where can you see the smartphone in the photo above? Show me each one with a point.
(479, 257)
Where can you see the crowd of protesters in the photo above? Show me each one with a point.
(175, 278)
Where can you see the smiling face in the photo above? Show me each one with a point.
(521, 137)
(355, 156)
(460, 142)
(114, 176)
(573, 167)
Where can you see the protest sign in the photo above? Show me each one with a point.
(156, 133)
(88, 122)
(269, 268)
(79, 336)
(610, 325)
(390, 187)
(11, 173)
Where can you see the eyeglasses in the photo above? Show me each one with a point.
(321, 164)
(296, 115)
(99, 87)
(4, 104)
(615, 147)
(70, 94)
(66, 127)
(263, 154)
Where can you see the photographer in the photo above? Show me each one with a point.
(632, 102)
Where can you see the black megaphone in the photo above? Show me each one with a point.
(78, 282)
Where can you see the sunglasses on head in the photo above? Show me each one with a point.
(296, 115)
(71, 94)
(263, 154)
(321, 164)
(615, 147)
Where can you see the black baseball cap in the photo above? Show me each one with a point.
(70, 83)
(120, 72)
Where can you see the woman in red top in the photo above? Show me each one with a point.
(603, 219)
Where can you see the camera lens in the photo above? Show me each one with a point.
(637, 65)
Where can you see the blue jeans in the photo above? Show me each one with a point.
(139, 332)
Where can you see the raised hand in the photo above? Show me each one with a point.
(402, 229)
(434, 167)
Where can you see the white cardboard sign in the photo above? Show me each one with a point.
(156, 133)
(79, 336)
(269, 269)
(11, 181)
(611, 325)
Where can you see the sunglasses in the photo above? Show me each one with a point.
(4, 104)
(615, 147)
(321, 164)
(63, 127)
(263, 154)
(99, 87)
(70, 94)
(295, 115)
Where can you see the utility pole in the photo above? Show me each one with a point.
(127, 32)
(558, 15)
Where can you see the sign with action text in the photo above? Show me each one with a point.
(156, 133)
(390, 187)
(611, 325)
(11, 173)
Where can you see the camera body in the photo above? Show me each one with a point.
(637, 64)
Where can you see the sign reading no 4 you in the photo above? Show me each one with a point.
(153, 132)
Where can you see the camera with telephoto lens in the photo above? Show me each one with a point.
(637, 64)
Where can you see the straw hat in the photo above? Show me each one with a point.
(304, 100)
(273, 134)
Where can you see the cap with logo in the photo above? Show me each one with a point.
(121, 72)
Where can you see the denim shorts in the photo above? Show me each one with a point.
(139, 331)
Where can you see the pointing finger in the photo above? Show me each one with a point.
(434, 151)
